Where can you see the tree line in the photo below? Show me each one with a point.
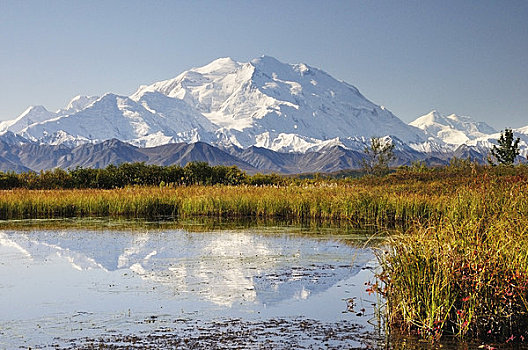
(135, 174)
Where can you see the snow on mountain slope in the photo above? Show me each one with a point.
(106, 118)
(175, 113)
(486, 142)
(523, 130)
(452, 129)
(455, 131)
(264, 102)
(77, 104)
(38, 114)
(12, 139)
(275, 105)
(153, 120)
(33, 114)
(522, 133)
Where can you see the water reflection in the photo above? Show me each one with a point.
(116, 278)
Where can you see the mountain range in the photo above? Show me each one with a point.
(263, 115)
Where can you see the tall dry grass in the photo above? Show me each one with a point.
(356, 204)
(464, 273)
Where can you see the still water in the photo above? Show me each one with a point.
(257, 287)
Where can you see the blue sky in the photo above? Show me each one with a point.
(463, 57)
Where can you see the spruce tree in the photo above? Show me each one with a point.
(507, 150)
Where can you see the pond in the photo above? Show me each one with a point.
(159, 287)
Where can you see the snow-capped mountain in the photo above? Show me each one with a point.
(153, 120)
(452, 129)
(32, 115)
(266, 103)
(485, 142)
(77, 104)
(263, 103)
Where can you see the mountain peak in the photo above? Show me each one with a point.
(265, 59)
(270, 64)
(34, 109)
(293, 108)
(452, 129)
(431, 116)
(78, 103)
(220, 66)
(32, 115)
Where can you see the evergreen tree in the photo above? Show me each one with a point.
(507, 150)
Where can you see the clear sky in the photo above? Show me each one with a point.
(464, 57)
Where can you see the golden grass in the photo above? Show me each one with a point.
(466, 272)
(354, 203)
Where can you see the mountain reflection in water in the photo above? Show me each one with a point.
(54, 279)
(222, 267)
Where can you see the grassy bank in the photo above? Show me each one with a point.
(466, 272)
(356, 203)
(394, 200)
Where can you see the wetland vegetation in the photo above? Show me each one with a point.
(457, 266)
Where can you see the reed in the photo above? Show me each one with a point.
(357, 204)
(466, 272)
(391, 201)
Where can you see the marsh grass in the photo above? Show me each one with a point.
(465, 273)
(354, 204)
